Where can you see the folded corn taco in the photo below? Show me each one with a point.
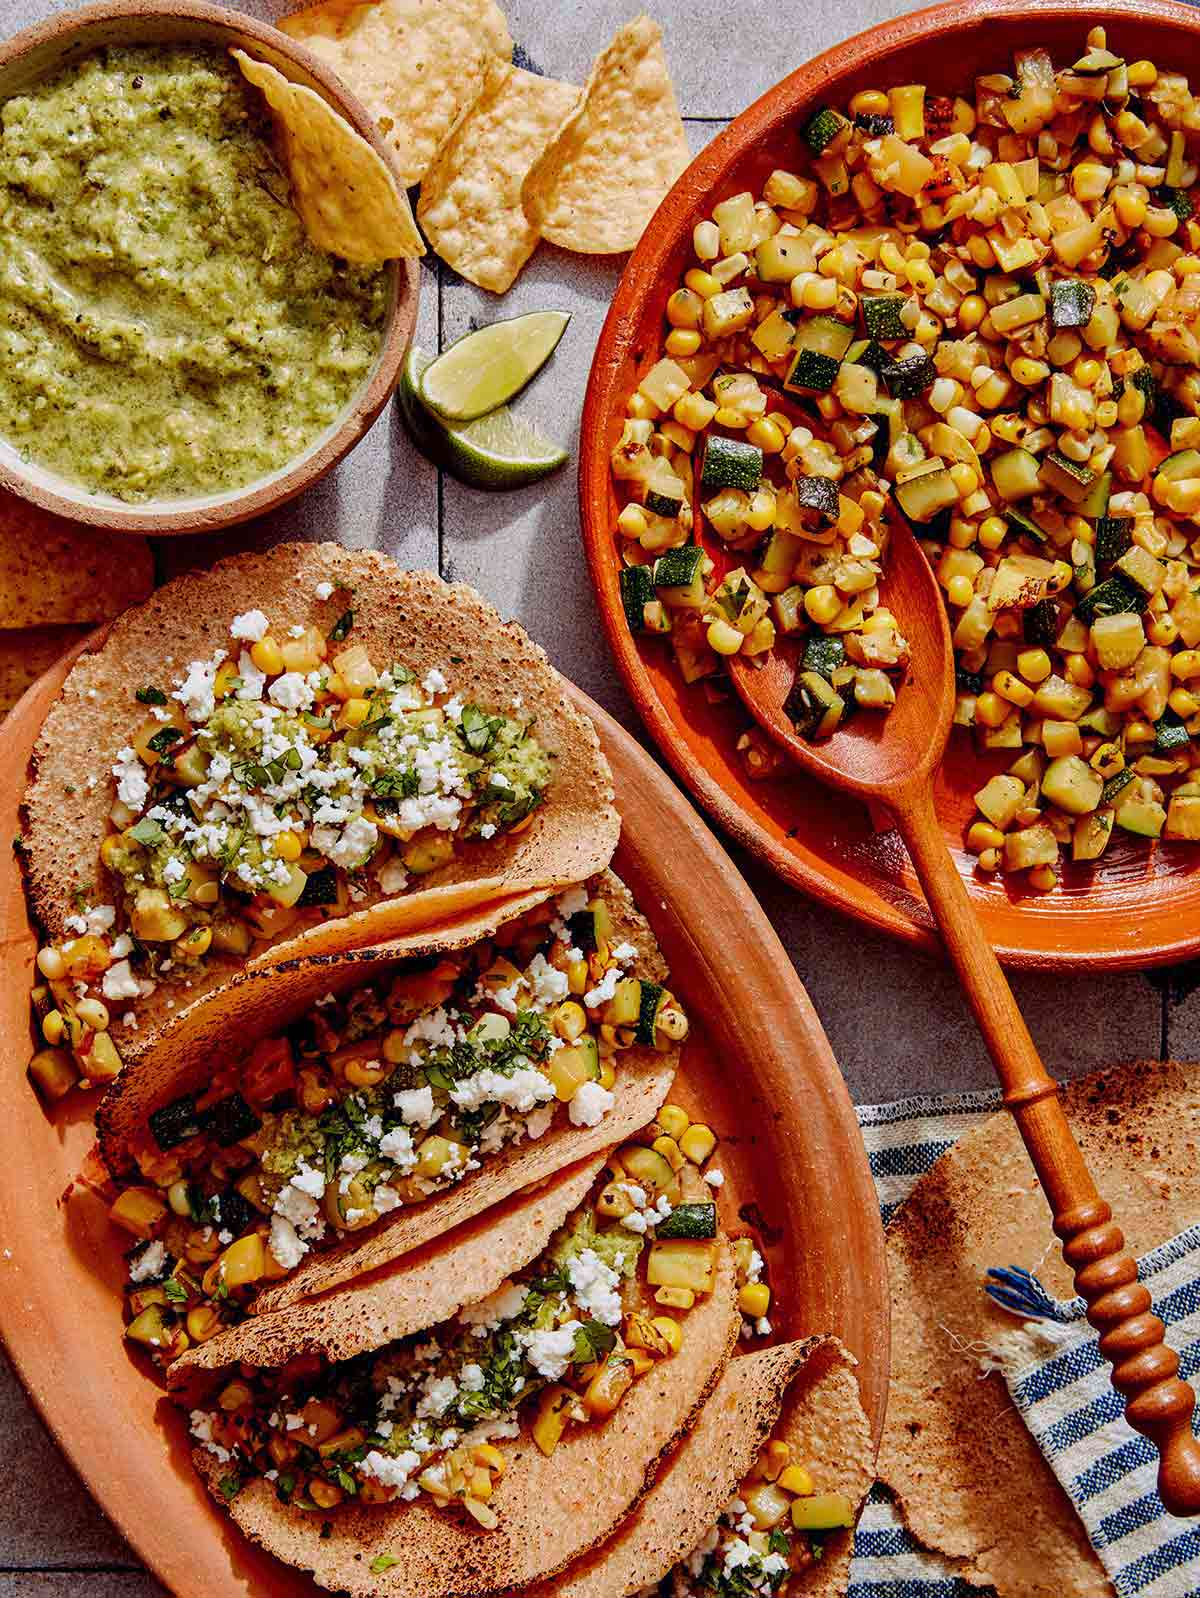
(368, 1107)
(757, 1500)
(298, 752)
(500, 1441)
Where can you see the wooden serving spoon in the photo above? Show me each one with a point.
(892, 759)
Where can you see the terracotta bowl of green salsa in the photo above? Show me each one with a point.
(175, 354)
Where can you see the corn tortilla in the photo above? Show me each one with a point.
(971, 1480)
(410, 616)
(551, 1509)
(611, 164)
(53, 570)
(424, 1287)
(470, 205)
(260, 1003)
(806, 1394)
(349, 202)
(414, 64)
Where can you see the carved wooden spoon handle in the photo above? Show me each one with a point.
(1144, 1369)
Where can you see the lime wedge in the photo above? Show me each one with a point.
(487, 368)
(499, 450)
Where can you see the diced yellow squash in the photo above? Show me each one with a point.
(1183, 817)
(767, 1504)
(1059, 700)
(553, 1414)
(907, 106)
(680, 1262)
(354, 667)
(664, 383)
(1031, 847)
(1000, 799)
(728, 313)
(1185, 613)
(1020, 580)
(772, 338)
(1119, 640)
(735, 219)
(1071, 784)
(1090, 836)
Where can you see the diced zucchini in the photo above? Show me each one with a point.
(922, 497)
(823, 128)
(1095, 502)
(1023, 526)
(1114, 534)
(999, 800)
(731, 463)
(873, 125)
(1119, 640)
(824, 335)
(681, 1262)
(869, 352)
(1114, 594)
(650, 1002)
(881, 316)
(823, 654)
(781, 258)
(1069, 478)
(822, 1512)
(790, 615)
(689, 1220)
(1090, 837)
(817, 494)
(1015, 474)
(1144, 570)
(813, 705)
(1144, 817)
(664, 492)
(647, 1167)
(1029, 848)
(1117, 784)
(1184, 463)
(637, 591)
(772, 338)
(229, 1120)
(909, 378)
(1170, 732)
(1072, 302)
(679, 577)
(175, 1123)
(1071, 784)
(1039, 623)
(812, 373)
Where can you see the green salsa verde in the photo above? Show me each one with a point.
(167, 328)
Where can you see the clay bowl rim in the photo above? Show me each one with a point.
(1091, 938)
(217, 25)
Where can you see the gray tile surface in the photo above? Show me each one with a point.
(895, 1019)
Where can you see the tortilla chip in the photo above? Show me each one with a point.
(551, 1509)
(409, 616)
(822, 1420)
(972, 1481)
(414, 64)
(410, 1295)
(54, 570)
(470, 205)
(612, 163)
(349, 202)
(27, 653)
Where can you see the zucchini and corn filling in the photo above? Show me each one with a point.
(373, 1101)
(274, 785)
(773, 1530)
(989, 307)
(557, 1346)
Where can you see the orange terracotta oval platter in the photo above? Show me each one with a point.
(1139, 906)
(757, 1066)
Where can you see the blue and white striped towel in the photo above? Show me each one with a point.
(1060, 1384)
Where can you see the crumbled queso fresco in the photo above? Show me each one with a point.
(277, 777)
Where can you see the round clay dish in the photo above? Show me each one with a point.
(757, 1066)
(1139, 905)
(33, 55)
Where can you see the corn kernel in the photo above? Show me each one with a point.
(675, 1297)
(1183, 702)
(1012, 689)
(267, 656)
(670, 1151)
(674, 1120)
(670, 1329)
(992, 532)
(702, 283)
(971, 312)
(1079, 671)
(1086, 371)
(795, 1479)
(989, 860)
(754, 1300)
(1142, 74)
(1034, 665)
(768, 435)
(682, 341)
(706, 241)
(1043, 878)
(960, 591)
(54, 1027)
(772, 1459)
(1186, 664)
(698, 1142)
(724, 638)
(869, 102)
(822, 603)
(684, 309)
(991, 710)
(982, 835)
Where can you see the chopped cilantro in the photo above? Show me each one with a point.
(341, 627)
(592, 1341)
(778, 1543)
(383, 1562)
(285, 1486)
(175, 1290)
(479, 730)
(230, 1486)
(148, 832)
(163, 739)
(150, 695)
